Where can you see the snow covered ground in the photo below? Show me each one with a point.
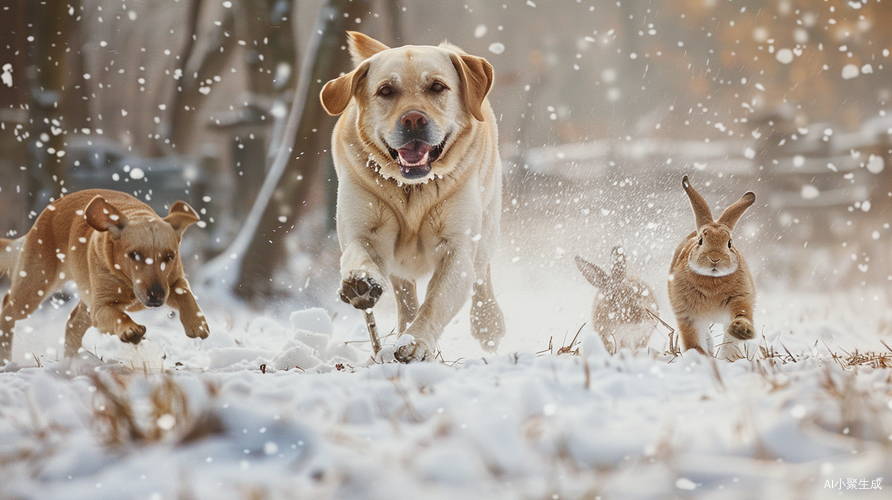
(287, 403)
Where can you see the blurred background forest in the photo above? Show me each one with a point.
(601, 105)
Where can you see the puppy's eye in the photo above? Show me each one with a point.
(385, 90)
(437, 87)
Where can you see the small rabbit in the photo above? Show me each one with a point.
(709, 281)
(620, 311)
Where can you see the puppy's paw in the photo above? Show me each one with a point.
(197, 329)
(742, 328)
(132, 334)
(409, 349)
(360, 290)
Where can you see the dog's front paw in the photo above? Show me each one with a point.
(132, 334)
(360, 291)
(489, 337)
(410, 349)
(197, 329)
(742, 328)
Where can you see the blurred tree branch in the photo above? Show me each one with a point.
(264, 26)
(259, 249)
(15, 96)
(48, 59)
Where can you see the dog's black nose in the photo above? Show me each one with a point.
(155, 295)
(413, 120)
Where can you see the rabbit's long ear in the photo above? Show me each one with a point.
(594, 274)
(702, 214)
(618, 271)
(731, 214)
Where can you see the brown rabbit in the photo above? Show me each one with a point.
(709, 281)
(619, 313)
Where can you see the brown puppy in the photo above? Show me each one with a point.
(419, 190)
(118, 251)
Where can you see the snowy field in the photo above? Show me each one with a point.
(287, 402)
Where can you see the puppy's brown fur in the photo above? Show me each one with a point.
(121, 255)
(419, 189)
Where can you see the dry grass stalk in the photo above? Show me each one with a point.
(119, 418)
(573, 347)
(673, 349)
(869, 358)
(114, 415)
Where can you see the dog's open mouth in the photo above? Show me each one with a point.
(415, 158)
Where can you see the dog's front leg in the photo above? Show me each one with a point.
(108, 316)
(193, 320)
(77, 326)
(362, 281)
(406, 302)
(447, 292)
(487, 321)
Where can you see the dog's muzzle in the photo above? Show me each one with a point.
(417, 151)
(155, 295)
(415, 158)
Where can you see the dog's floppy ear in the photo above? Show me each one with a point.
(180, 217)
(336, 94)
(476, 80)
(363, 47)
(103, 216)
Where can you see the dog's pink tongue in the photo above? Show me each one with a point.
(414, 153)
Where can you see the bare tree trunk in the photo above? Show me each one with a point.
(300, 158)
(395, 16)
(14, 100)
(48, 56)
(207, 52)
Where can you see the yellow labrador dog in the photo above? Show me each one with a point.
(420, 187)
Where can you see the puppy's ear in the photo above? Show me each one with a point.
(363, 47)
(103, 216)
(476, 80)
(594, 274)
(180, 217)
(336, 94)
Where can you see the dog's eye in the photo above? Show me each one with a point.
(385, 90)
(437, 87)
